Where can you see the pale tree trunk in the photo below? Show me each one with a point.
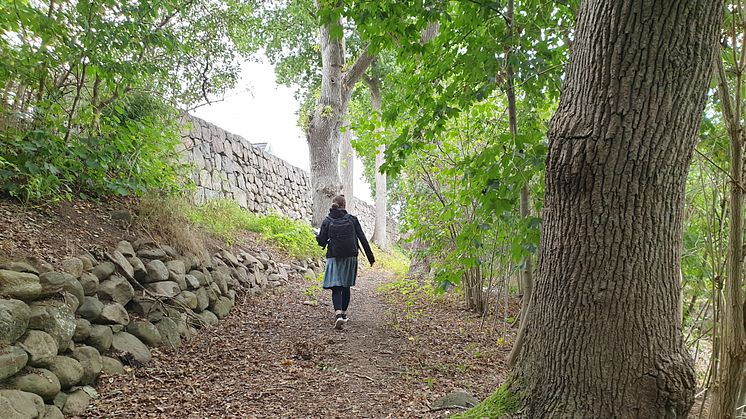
(732, 353)
(603, 337)
(347, 165)
(324, 123)
(379, 232)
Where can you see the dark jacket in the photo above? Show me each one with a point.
(323, 237)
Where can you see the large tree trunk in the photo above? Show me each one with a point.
(603, 338)
(324, 123)
(379, 231)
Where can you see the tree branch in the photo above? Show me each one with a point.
(353, 75)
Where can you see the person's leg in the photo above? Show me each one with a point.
(337, 299)
(345, 297)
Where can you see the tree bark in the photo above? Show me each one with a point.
(347, 165)
(603, 337)
(733, 336)
(324, 123)
(379, 231)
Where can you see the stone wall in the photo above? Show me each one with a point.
(228, 166)
(61, 328)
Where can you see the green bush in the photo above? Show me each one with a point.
(226, 220)
(131, 151)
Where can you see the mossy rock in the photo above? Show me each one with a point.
(499, 404)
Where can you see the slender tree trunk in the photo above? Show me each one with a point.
(347, 165)
(324, 123)
(603, 337)
(733, 336)
(379, 232)
(527, 270)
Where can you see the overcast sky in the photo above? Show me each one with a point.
(260, 110)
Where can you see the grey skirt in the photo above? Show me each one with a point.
(340, 272)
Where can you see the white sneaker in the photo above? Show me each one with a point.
(339, 322)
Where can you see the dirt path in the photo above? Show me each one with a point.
(276, 356)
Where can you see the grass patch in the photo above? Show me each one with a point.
(165, 217)
(226, 220)
(500, 403)
(394, 260)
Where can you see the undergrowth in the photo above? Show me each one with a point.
(166, 217)
(394, 260)
(226, 220)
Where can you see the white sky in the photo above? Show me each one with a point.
(260, 110)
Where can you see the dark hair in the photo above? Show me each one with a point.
(339, 201)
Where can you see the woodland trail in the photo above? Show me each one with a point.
(277, 356)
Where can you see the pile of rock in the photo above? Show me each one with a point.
(60, 329)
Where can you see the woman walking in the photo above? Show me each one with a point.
(340, 233)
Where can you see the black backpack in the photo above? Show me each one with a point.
(342, 237)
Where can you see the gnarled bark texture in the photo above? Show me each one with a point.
(347, 165)
(603, 338)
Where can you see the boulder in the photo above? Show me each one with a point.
(53, 282)
(73, 266)
(82, 330)
(114, 313)
(229, 257)
(200, 276)
(14, 318)
(90, 360)
(123, 263)
(112, 366)
(19, 285)
(208, 318)
(202, 299)
(152, 253)
(68, 370)
(145, 307)
(60, 399)
(125, 248)
(189, 299)
(213, 292)
(157, 271)
(88, 261)
(38, 381)
(19, 266)
(40, 347)
(170, 251)
(12, 360)
(55, 318)
(221, 281)
(169, 332)
(145, 331)
(125, 343)
(141, 274)
(167, 289)
(222, 307)
(104, 270)
(100, 338)
(53, 412)
(116, 289)
(77, 403)
(192, 282)
(16, 404)
(176, 266)
(74, 287)
(89, 282)
(455, 400)
(91, 308)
